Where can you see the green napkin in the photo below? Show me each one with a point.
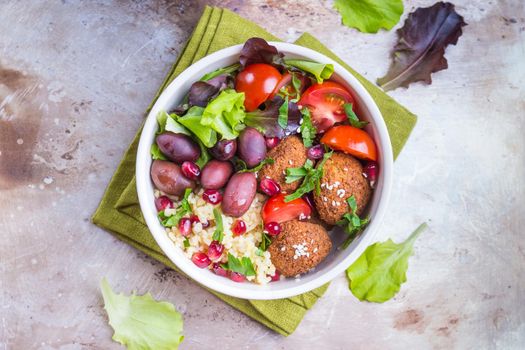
(119, 211)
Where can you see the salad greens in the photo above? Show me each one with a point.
(243, 266)
(141, 322)
(353, 224)
(221, 71)
(225, 114)
(368, 16)
(320, 71)
(265, 242)
(243, 168)
(266, 120)
(282, 119)
(156, 153)
(378, 273)
(192, 121)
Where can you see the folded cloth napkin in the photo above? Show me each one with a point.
(119, 211)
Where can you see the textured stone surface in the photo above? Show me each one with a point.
(75, 78)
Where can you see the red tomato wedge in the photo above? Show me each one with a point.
(287, 84)
(326, 104)
(257, 81)
(277, 210)
(353, 141)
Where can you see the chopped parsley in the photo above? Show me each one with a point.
(218, 234)
(265, 243)
(311, 178)
(186, 242)
(183, 209)
(296, 82)
(243, 266)
(352, 223)
(307, 129)
(352, 117)
(282, 119)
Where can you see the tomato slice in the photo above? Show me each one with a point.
(351, 140)
(326, 104)
(277, 210)
(257, 81)
(287, 84)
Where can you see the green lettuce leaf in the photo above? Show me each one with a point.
(378, 273)
(156, 153)
(320, 71)
(168, 122)
(192, 121)
(140, 322)
(368, 16)
(226, 70)
(225, 114)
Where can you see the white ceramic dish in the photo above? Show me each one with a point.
(338, 260)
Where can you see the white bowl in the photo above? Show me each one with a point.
(338, 260)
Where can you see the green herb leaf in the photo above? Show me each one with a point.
(296, 83)
(225, 114)
(226, 70)
(368, 16)
(156, 153)
(256, 168)
(282, 119)
(192, 121)
(243, 266)
(320, 71)
(186, 242)
(295, 174)
(311, 180)
(265, 243)
(352, 117)
(353, 223)
(218, 234)
(259, 252)
(378, 273)
(308, 130)
(205, 157)
(140, 322)
(182, 210)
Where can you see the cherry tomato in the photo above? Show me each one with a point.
(351, 140)
(257, 81)
(326, 104)
(277, 210)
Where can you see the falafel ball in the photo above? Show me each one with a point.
(299, 247)
(342, 178)
(289, 153)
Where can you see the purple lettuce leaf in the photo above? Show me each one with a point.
(266, 120)
(257, 50)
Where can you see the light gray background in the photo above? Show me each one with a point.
(75, 79)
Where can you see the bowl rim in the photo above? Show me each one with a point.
(143, 180)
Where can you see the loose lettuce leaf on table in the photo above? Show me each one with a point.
(368, 16)
(421, 46)
(378, 273)
(140, 322)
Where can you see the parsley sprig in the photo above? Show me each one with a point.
(218, 234)
(282, 119)
(241, 167)
(353, 224)
(352, 117)
(307, 129)
(183, 209)
(243, 266)
(311, 178)
(265, 243)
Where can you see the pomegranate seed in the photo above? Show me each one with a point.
(370, 172)
(219, 270)
(238, 227)
(271, 142)
(269, 186)
(272, 228)
(315, 152)
(194, 219)
(276, 276)
(212, 196)
(190, 170)
(185, 227)
(205, 223)
(215, 250)
(237, 277)
(201, 260)
(162, 203)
